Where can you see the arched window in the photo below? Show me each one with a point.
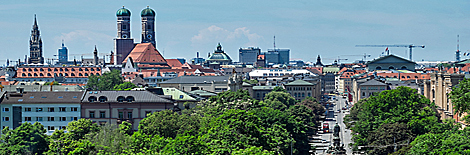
(49, 69)
(80, 74)
(416, 77)
(97, 69)
(66, 69)
(35, 74)
(29, 69)
(29, 74)
(91, 99)
(24, 70)
(49, 74)
(72, 74)
(73, 69)
(66, 74)
(295, 94)
(55, 69)
(91, 74)
(391, 67)
(55, 74)
(86, 69)
(41, 69)
(86, 74)
(61, 69)
(378, 68)
(130, 98)
(91, 69)
(103, 99)
(80, 69)
(121, 98)
(40, 74)
(35, 69)
(23, 74)
(403, 67)
(303, 94)
(408, 77)
(60, 74)
(97, 74)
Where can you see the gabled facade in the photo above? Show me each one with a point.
(390, 62)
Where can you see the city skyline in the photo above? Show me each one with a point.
(329, 29)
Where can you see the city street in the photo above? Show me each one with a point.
(332, 118)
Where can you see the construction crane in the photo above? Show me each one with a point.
(364, 56)
(411, 46)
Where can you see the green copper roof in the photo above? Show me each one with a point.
(219, 56)
(299, 83)
(147, 12)
(330, 69)
(123, 12)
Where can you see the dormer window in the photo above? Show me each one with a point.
(91, 99)
(103, 99)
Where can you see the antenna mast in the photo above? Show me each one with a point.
(274, 42)
(457, 53)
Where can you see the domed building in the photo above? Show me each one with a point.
(218, 57)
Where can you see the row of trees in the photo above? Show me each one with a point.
(229, 123)
(404, 122)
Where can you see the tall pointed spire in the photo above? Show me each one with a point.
(35, 21)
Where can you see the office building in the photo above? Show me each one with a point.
(248, 55)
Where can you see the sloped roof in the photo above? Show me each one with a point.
(373, 82)
(139, 96)
(174, 63)
(178, 94)
(389, 56)
(146, 53)
(299, 83)
(263, 87)
(202, 93)
(330, 69)
(43, 97)
(197, 79)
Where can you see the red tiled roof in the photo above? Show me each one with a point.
(260, 57)
(174, 63)
(146, 53)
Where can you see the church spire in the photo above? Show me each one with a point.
(35, 45)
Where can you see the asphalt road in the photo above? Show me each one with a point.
(332, 118)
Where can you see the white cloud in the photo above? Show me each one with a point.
(214, 34)
(85, 37)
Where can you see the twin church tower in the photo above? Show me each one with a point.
(124, 44)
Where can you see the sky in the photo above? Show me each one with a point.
(308, 28)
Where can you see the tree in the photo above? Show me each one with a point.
(167, 123)
(401, 105)
(279, 100)
(125, 86)
(49, 83)
(107, 81)
(460, 97)
(387, 135)
(449, 142)
(279, 89)
(78, 129)
(25, 139)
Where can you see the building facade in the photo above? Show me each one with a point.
(300, 89)
(248, 55)
(438, 88)
(148, 26)
(115, 107)
(71, 74)
(62, 54)
(54, 110)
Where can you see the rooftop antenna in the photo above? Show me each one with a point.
(274, 42)
(457, 54)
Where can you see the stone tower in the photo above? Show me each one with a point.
(148, 26)
(123, 23)
(35, 45)
(123, 43)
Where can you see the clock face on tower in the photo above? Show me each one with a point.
(124, 36)
(149, 36)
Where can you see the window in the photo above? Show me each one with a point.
(50, 119)
(181, 96)
(74, 109)
(27, 118)
(74, 118)
(92, 114)
(50, 109)
(62, 118)
(62, 109)
(149, 27)
(91, 99)
(38, 109)
(363, 93)
(102, 114)
(6, 109)
(124, 27)
(62, 128)
(129, 115)
(103, 99)
(50, 128)
(38, 118)
(121, 115)
(6, 119)
(130, 98)
(120, 99)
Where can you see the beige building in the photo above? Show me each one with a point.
(299, 89)
(437, 90)
(368, 88)
(117, 106)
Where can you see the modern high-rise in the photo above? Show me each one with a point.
(248, 55)
(62, 54)
(284, 55)
(35, 45)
